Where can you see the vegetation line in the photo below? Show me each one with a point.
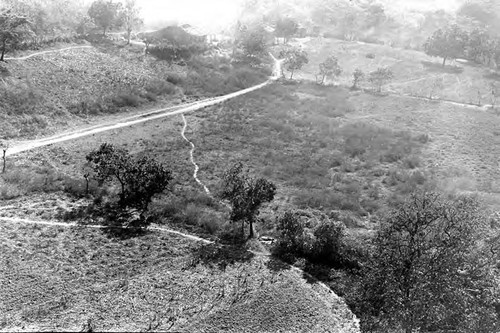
(50, 51)
(196, 167)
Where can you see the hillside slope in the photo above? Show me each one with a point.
(58, 89)
(52, 91)
(57, 278)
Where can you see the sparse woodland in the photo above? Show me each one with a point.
(359, 166)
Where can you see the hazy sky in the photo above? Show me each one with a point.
(200, 12)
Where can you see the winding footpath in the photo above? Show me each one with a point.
(50, 51)
(191, 152)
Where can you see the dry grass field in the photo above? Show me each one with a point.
(414, 72)
(61, 279)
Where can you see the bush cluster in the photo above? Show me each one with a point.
(315, 237)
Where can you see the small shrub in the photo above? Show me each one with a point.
(328, 245)
(160, 87)
(126, 99)
(423, 138)
(411, 162)
(370, 55)
(313, 236)
(175, 78)
(150, 96)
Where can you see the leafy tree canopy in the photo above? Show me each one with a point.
(295, 59)
(13, 27)
(447, 43)
(105, 14)
(246, 194)
(430, 270)
(140, 179)
(329, 68)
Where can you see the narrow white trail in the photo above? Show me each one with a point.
(50, 51)
(196, 168)
(69, 225)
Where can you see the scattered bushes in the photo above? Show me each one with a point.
(213, 77)
(175, 79)
(312, 235)
(126, 99)
(20, 99)
(190, 210)
(329, 199)
(160, 87)
(367, 142)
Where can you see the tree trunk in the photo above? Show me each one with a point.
(104, 31)
(86, 176)
(291, 75)
(4, 160)
(251, 229)
(444, 61)
(4, 46)
(323, 79)
(128, 36)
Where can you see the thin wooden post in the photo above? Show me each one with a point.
(4, 158)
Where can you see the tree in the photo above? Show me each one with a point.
(375, 15)
(140, 179)
(105, 14)
(252, 41)
(147, 39)
(245, 194)
(131, 17)
(380, 77)
(294, 59)
(5, 147)
(447, 43)
(430, 271)
(329, 68)
(286, 28)
(13, 27)
(357, 76)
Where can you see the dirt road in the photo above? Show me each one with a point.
(137, 119)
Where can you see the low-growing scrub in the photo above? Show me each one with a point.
(191, 210)
(312, 235)
(297, 138)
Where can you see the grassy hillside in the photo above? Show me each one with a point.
(55, 278)
(57, 90)
(414, 72)
(462, 138)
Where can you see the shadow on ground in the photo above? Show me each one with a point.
(220, 256)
